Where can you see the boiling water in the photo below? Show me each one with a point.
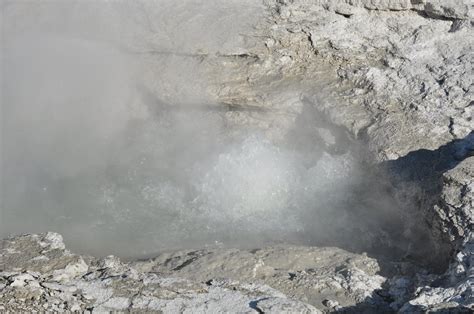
(175, 181)
(122, 152)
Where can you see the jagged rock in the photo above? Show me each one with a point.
(111, 285)
(456, 214)
(310, 274)
(456, 9)
(43, 253)
(399, 69)
(456, 207)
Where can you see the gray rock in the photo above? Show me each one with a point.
(310, 274)
(456, 206)
(399, 69)
(111, 285)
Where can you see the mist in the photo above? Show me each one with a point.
(124, 152)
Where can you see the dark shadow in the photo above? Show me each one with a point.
(420, 175)
(158, 106)
(422, 165)
(386, 210)
(254, 305)
(453, 310)
(423, 169)
(374, 304)
(371, 305)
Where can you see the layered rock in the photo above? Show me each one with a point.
(455, 210)
(39, 274)
(391, 73)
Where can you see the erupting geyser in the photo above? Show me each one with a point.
(124, 160)
(236, 156)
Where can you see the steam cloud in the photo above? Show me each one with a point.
(91, 152)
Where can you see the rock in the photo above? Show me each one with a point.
(312, 274)
(40, 253)
(71, 271)
(455, 209)
(116, 304)
(456, 206)
(52, 241)
(457, 9)
(278, 305)
(21, 280)
(402, 57)
(333, 305)
(112, 285)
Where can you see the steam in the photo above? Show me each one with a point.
(64, 97)
(123, 153)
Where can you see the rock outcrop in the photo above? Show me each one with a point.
(398, 78)
(39, 274)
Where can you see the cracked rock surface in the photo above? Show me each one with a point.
(39, 274)
(387, 70)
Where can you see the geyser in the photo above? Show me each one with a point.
(236, 156)
(123, 151)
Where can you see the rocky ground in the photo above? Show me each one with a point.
(394, 75)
